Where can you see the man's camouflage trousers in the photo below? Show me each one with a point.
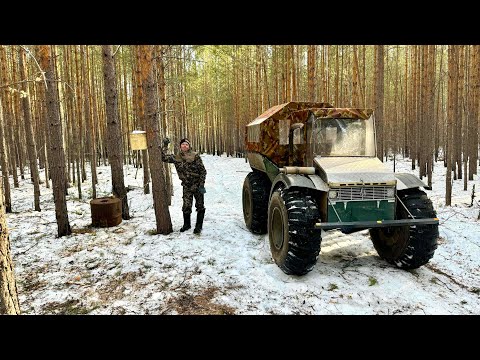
(190, 192)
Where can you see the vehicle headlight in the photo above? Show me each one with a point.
(390, 192)
(332, 194)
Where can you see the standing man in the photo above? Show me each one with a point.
(192, 173)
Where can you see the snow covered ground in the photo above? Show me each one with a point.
(127, 269)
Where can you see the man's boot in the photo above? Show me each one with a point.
(198, 225)
(186, 222)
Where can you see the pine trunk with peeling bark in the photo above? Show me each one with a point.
(140, 104)
(337, 76)
(406, 137)
(69, 95)
(4, 163)
(452, 86)
(472, 166)
(77, 123)
(356, 82)
(89, 122)
(311, 63)
(31, 146)
(379, 96)
(422, 112)
(430, 119)
(321, 75)
(294, 96)
(266, 93)
(17, 119)
(56, 153)
(114, 135)
(460, 113)
(163, 115)
(41, 104)
(160, 201)
(258, 61)
(7, 114)
(276, 75)
(396, 106)
(413, 108)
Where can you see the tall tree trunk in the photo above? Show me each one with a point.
(163, 117)
(160, 202)
(357, 86)
(9, 304)
(114, 135)
(342, 69)
(450, 114)
(438, 116)
(321, 75)
(89, 123)
(413, 104)
(56, 154)
(266, 92)
(38, 101)
(77, 121)
(140, 104)
(276, 76)
(4, 164)
(406, 148)
(7, 113)
(294, 95)
(337, 75)
(311, 61)
(472, 166)
(17, 120)
(258, 61)
(460, 113)
(430, 143)
(31, 146)
(4, 157)
(379, 96)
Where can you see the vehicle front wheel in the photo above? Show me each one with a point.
(294, 241)
(408, 247)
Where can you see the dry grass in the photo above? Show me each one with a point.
(31, 283)
(69, 307)
(86, 230)
(115, 288)
(200, 304)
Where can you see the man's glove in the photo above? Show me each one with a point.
(201, 189)
(166, 141)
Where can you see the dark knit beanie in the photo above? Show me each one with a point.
(185, 140)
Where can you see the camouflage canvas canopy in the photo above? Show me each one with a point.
(268, 133)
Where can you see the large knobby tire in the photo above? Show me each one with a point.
(256, 190)
(294, 241)
(408, 247)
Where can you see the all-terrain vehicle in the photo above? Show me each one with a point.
(314, 168)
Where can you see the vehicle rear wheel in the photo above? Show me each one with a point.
(408, 247)
(294, 241)
(255, 193)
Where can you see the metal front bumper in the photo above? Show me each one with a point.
(374, 224)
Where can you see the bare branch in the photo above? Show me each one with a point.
(36, 62)
(119, 46)
(20, 82)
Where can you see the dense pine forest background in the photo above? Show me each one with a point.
(426, 97)
(68, 107)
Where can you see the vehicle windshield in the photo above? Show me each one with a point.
(343, 137)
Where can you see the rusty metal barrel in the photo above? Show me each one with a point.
(106, 211)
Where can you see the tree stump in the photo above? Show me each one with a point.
(106, 211)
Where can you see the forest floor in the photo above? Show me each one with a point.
(128, 269)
